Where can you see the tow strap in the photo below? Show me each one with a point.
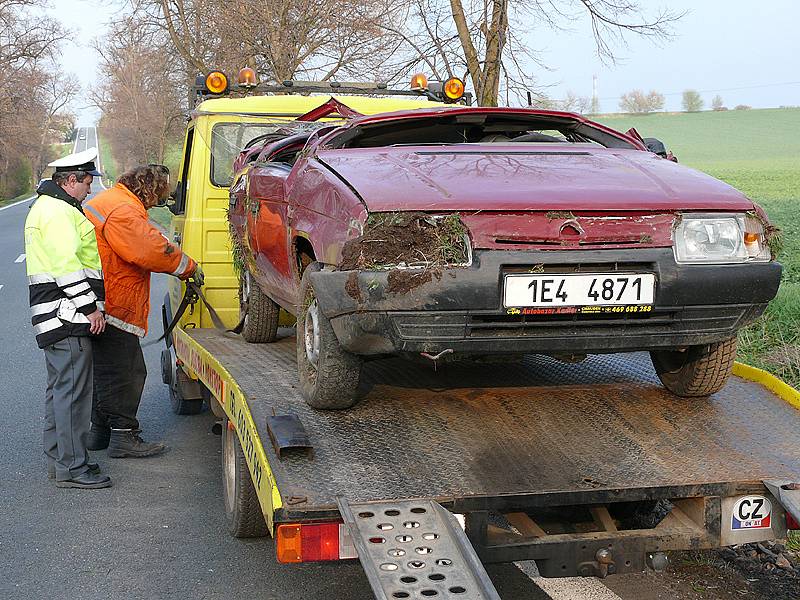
(192, 294)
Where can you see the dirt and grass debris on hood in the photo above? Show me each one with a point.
(407, 239)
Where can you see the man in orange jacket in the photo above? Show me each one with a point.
(131, 248)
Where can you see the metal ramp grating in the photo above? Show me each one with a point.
(415, 549)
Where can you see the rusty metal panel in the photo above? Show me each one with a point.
(528, 427)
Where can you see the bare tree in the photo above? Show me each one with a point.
(717, 103)
(141, 97)
(55, 97)
(486, 27)
(281, 39)
(32, 93)
(574, 103)
(638, 102)
(692, 102)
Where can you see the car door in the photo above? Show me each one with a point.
(267, 230)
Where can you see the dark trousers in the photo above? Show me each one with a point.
(119, 374)
(66, 405)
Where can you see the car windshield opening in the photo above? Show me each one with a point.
(479, 128)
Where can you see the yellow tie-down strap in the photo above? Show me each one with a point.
(768, 380)
(201, 364)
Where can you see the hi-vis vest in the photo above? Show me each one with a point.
(65, 280)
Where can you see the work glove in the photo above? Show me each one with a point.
(198, 276)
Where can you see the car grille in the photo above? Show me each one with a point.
(452, 326)
(611, 267)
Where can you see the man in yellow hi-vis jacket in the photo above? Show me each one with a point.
(65, 282)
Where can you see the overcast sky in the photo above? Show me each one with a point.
(746, 51)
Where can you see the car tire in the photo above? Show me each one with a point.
(259, 311)
(696, 371)
(242, 509)
(329, 375)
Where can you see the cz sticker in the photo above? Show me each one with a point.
(751, 512)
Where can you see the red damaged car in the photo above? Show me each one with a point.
(456, 232)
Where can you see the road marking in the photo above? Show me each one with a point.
(567, 588)
(20, 258)
(18, 202)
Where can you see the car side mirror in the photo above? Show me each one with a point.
(174, 200)
(656, 146)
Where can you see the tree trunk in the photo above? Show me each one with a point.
(495, 42)
(470, 53)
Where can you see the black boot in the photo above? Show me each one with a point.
(126, 443)
(86, 481)
(94, 469)
(98, 437)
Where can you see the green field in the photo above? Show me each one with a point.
(758, 152)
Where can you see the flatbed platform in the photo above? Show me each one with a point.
(467, 433)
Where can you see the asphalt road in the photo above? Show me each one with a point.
(160, 532)
(89, 139)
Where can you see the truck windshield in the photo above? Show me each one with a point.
(227, 140)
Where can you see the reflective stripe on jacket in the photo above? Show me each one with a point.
(130, 249)
(65, 281)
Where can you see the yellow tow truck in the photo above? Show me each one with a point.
(590, 469)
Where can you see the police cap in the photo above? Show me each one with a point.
(79, 161)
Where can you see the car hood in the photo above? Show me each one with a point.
(566, 177)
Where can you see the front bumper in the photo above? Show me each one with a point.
(461, 308)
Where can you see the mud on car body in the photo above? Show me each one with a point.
(462, 232)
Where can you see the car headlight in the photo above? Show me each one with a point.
(723, 238)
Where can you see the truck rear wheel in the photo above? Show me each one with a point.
(185, 394)
(696, 371)
(329, 375)
(242, 509)
(260, 312)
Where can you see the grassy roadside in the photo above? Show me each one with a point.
(757, 152)
(6, 202)
(108, 165)
(59, 151)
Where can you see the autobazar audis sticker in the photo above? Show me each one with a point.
(580, 310)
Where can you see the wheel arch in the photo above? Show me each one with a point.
(303, 252)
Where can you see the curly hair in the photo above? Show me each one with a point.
(148, 183)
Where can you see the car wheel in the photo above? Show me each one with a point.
(329, 375)
(260, 312)
(696, 371)
(242, 508)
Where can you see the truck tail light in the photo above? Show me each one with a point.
(312, 542)
(791, 522)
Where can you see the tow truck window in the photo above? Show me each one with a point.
(227, 140)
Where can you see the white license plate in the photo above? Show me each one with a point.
(595, 289)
